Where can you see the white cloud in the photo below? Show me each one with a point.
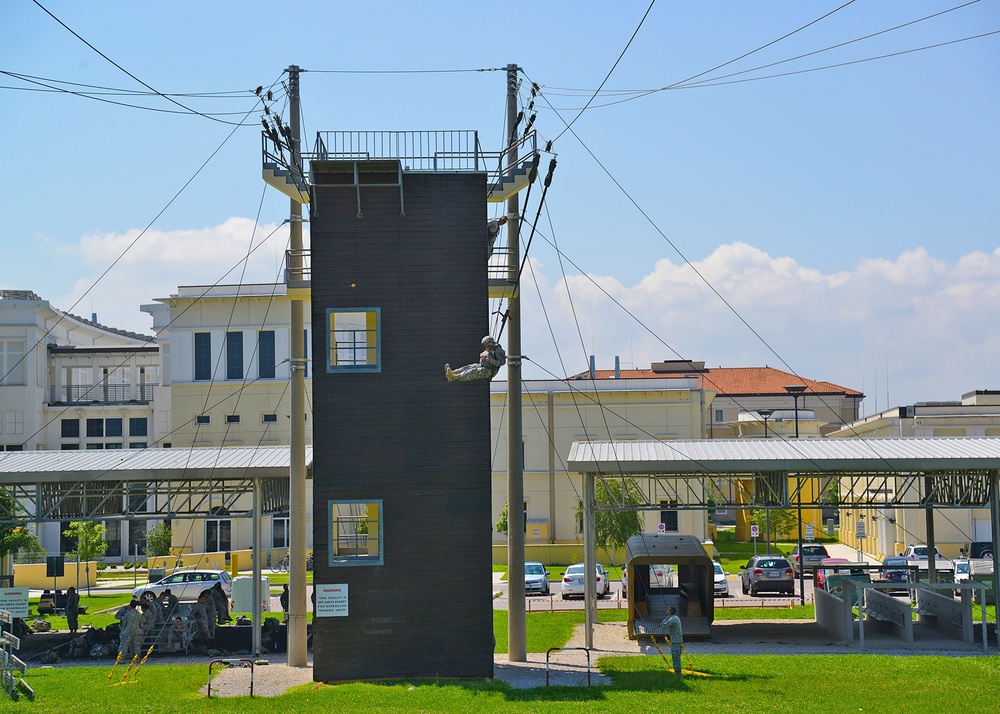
(925, 323)
(154, 264)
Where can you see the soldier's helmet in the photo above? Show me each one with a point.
(487, 341)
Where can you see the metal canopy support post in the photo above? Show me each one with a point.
(802, 557)
(256, 614)
(552, 467)
(931, 547)
(589, 557)
(995, 515)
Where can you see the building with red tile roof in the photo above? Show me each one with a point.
(823, 406)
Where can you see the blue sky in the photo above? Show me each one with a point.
(849, 217)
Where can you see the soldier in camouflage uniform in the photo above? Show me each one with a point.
(200, 618)
(131, 625)
(148, 624)
(221, 604)
(211, 611)
(491, 359)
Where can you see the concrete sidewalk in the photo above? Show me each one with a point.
(839, 550)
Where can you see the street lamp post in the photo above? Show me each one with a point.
(766, 413)
(795, 390)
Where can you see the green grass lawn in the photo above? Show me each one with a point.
(736, 683)
(755, 683)
(279, 578)
(100, 610)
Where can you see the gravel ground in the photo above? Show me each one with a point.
(269, 680)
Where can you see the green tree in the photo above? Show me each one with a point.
(90, 543)
(33, 552)
(158, 541)
(781, 522)
(14, 533)
(614, 527)
(502, 520)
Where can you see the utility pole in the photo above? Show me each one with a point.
(517, 636)
(297, 654)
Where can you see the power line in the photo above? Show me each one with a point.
(631, 94)
(168, 98)
(610, 71)
(712, 83)
(229, 94)
(845, 44)
(95, 97)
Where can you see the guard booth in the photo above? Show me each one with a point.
(650, 594)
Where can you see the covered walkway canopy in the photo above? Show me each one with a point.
(776, 473)
(143, 483)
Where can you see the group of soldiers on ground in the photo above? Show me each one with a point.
(140, 617)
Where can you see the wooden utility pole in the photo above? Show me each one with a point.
(517, 637)
(297, 649)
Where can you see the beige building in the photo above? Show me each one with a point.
(578, 410)
(68, 383)
(889, 531)
(677, 399)
(224, 353)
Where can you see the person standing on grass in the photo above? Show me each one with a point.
(221, 604)
(72, 610)
(149, 608)
(211, 611)
(131, 620)
(200, 618)
(676, 635)
(283, 599)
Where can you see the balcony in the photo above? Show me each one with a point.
(508, 171)
(83, 394)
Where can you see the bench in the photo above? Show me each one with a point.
(47, 606)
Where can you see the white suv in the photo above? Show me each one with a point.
(187, 585)
(919, 552)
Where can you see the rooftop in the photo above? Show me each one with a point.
(727, 381)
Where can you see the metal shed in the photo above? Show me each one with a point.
(650, 594)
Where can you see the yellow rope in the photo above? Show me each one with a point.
(148, 652)
(130, 665)
(112, 673)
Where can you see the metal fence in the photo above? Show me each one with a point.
(428, 151)
(103, 393)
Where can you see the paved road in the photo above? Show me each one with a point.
(554, 602)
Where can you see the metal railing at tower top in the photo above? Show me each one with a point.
(423, 151)
(428, 151)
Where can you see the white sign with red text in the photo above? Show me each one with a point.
(331, 600)
(14, 601)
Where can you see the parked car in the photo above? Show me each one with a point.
(963, 570)
(979, 549)
(767, 572)
(811, 556)
(919, 552)
(721, 583)
(830, 574)
(823, 570)
(573, 585)
(536, 578)
(659, 577)
(187, 585)
(896, 573)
